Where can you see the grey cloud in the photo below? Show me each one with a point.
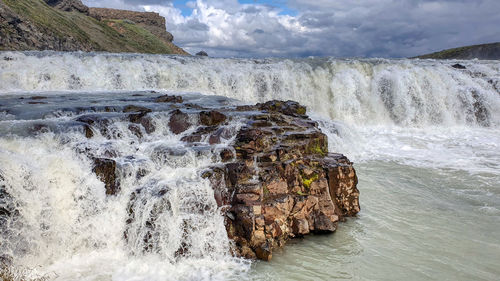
(342, 28)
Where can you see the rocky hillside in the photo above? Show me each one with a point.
(67, 25)
(484, 51)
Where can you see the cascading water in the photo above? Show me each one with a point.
(401, 92)
(164, 224)
(426, 136)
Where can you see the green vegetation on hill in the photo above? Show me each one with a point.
(47, 28)
(484, 51)
(138, 38)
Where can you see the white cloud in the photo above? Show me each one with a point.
(383, 28)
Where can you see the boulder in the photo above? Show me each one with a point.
(459, 66)
(179, 121)
(91, 121)
(211, 118)
(275, 181)
(139, 116)
(281, 182)
(69, 5)
(169, 98)
(105, 169)
(202, 54)
(136, 108)
(285, 107)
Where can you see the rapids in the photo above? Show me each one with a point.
(425, 137)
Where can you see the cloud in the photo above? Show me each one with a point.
(342, 28)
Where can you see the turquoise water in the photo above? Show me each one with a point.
(415, 224)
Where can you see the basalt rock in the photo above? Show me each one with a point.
(105, 169)
(211, 118)
(179, 122)
(169, 98)
(282, 182)
(459, 66)
(274, 178)
(135, 108)
(139, 116)
(69, 5)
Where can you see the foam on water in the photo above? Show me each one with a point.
(425, 138)
(400, 92)
(164, 224)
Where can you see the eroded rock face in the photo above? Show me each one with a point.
(169, 98)
(179, 121)
(69, 5)
(153, 22)
(273, 179)
(105, 169)
(211, 118)
(283, 183)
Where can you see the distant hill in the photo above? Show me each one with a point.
(484, 52)
(68, 25)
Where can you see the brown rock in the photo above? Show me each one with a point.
(226, 155)
(277, 187)
(264, 253)
(105, 169)
(142, 118)
(179, 122)
(136, 108)
(88, 131)
(342, 182)
(135, 130)
(212, 118)
(169, 98)
(285, 107)
(278, 180)
(300, 226)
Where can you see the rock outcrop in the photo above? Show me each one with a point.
(18, 32)
(282, 183)
(149, 20)
(68, 5)
(65, 25)
(273, 179)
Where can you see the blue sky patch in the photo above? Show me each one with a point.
(279, 4)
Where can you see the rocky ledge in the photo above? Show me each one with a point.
(275, 181)
(272, 174)
(282, 182)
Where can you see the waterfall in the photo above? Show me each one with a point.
(164, 223)
(371, 91)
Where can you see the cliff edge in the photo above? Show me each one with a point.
(482, 52)
(68, 25)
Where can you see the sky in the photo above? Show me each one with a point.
(338, 28)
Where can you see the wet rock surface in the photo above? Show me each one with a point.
(273, 177)
(169, 98)
(105, 169)
(283, 182)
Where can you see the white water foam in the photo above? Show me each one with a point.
(378, 92)
(64, 226)
(425, 115)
